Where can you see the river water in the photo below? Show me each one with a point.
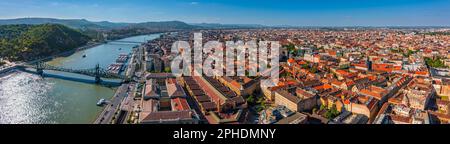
(29, 99)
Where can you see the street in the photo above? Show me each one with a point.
(109, 112)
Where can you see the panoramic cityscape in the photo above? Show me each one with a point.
(207, 62)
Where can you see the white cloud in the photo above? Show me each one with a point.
(194, 3)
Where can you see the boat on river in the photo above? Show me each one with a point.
(101, 102)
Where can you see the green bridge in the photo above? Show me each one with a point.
(96, 72)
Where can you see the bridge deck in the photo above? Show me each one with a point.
(119, 41)
(96, 72)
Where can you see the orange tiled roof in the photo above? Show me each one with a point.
(374, 91)
(327, 86)
(360, 65)
(302, 62)
(236, 84)
(350, 83)
(291, 60)
(181, 104)
(372, 78)
(336, 82)
(342, 72)
(332, 53)
(421, 72)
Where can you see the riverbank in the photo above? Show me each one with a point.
(109, 112)
(87, 46)
(7, 71)
(67, 53)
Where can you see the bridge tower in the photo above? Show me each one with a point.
(97, 74)
(40, 68)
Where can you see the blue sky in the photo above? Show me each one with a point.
(267, 12)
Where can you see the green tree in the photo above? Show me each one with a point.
(314, 110)
(290, 47)
(436, 63)
(305, 66)
(409, 53)
(322, 107)
(262, 103)
(25, 42)
(251, 99)
(332, 113)
(313, 70)
(167, 70)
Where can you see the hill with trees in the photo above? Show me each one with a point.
(25, 42)
(114, 30)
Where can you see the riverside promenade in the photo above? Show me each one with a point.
(109, 112)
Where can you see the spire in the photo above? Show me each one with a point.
(369, 64)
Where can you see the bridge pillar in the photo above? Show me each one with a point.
(39, 69)
(97, 74)
(97, 79)
(40, 72)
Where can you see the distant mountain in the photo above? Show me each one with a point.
(103, 25)
(73, 23)
(148, 28)
(24, 42)
(170, 25)
(113, 30)
(108, 24)
(227, 26)
(83, 24)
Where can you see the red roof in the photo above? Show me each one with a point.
(291, 60)
(342, 72)
(360, 65)
(180, 104)
(347, 101)
(302, 62)
(383, 67)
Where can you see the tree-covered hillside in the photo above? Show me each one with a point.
(25, 42)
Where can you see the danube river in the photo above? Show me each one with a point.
(29, 99)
